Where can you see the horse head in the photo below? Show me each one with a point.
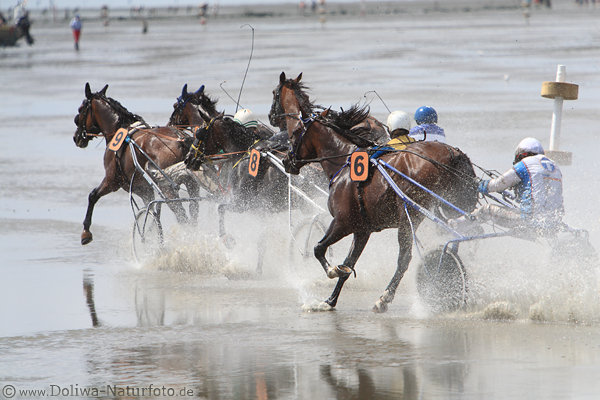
(221, 134)
(99, 114)
(87, 125)
(187, 108)
(289, 97)
(290, 105)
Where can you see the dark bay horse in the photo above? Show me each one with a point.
(225, 138)
(371, 206)
(100, 115)
(266, 192)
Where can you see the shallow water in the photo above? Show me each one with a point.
(198, 318)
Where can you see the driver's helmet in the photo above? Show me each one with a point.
(426, 115)
(245, 117)
(528, 146)
(398, 120)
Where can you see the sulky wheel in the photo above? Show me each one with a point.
(442, 280)
(147, 237)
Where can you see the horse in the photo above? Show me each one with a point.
(161, 147)
(11, 33)
(370, 206)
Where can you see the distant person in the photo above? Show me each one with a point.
(398, 123)
(76, 28)
(19, 13)
(427, 128)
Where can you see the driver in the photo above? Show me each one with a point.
(246, 118)
(398, 123)
(427, 127)
(537, 182)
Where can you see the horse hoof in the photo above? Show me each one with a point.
(341, 271)
(86, 237)
(332, 273)
(380, 307)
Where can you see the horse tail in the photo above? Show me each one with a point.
(465, 177)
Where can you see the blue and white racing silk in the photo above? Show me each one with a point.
(428, 132)
(537, 181)
(540, 191)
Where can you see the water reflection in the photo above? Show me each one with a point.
(88, 291)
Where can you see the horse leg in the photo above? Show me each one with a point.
(332, 235)
(262, 249)
(228, 240)
(95, 195)
(176, 207)
(193, 188)
(343, 271)
(404, 256)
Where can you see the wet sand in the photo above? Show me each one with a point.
(198, 318)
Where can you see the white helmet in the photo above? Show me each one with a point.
(529, 145)
(398, 120)
(245, 117)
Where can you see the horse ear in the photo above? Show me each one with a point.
(299, 77)
(184, 91)
(325, 112)
(200, 90)
(282, 77)
(103, 91)
(88, 91)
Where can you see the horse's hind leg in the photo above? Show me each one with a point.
(176, 207)
(404, 257)
(192, 186)
(343, 271)
(228, 240)
(95, 195)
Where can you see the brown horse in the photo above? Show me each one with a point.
(159, 147)
(373, 205)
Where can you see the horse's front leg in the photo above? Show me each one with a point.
(95, 195)
(332, 235)
(405, 241)
(342, 272)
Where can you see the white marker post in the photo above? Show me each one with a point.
(559, 91)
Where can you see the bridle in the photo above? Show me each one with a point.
(303, 127)
(178, 109)
(83, 132)
(199, 144)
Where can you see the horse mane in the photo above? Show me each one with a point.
(300, 89)
(240, 135)
(127, 116)
(345, 123)
(207, 103)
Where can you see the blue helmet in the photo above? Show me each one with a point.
(425, 115)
